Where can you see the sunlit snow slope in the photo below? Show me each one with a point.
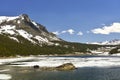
(28, 29)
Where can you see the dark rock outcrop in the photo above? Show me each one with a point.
(66, 66)
(63, 67)
(36, 66)
(25, 17)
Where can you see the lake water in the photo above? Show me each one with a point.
(89, 68)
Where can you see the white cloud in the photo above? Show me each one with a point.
(63, 32)
(56, 32)
(80, 33)
(114, 28)
(70, 31)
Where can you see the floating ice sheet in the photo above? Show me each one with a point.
(5, 77)
(77, 61)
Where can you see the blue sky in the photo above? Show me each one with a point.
(72, 20)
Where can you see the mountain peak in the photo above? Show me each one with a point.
(25, 27)
(25, 17)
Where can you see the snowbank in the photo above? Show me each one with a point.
(5, 77)
(117, 54)
(5, 61)
(77, 61)
(4, 70)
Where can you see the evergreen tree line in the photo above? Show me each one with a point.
(9, 47)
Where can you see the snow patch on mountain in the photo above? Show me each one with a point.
(5, 18)
(112, 42)
(7, 29)
(18, 21)
(26, 35)
(13, 38)
(35, 24)
(28, 29)
(12, 31)
(39, 38)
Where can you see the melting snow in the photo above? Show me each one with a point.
(18, 21)
(77, 61)
(11, 30)
(5, 77)
(14, 39)
(114, 42)
(5, 18)
(26, 35)
(4, 70)
(4, 61)
(35, 24)
(39, 38)
(7, 29)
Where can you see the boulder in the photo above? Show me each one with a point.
(36, 66)
(66, 66)
(63, 67)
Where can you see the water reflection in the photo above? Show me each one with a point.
(87, 73)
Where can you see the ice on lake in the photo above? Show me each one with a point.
(100, 61)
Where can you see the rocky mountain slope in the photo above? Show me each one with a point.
(20, 35)
(28, 29)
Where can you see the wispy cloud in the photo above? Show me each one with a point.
(114, 28)
(63, 32)
(80, 33)
(70, 31)
(56, 32)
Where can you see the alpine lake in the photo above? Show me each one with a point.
(87, 69)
